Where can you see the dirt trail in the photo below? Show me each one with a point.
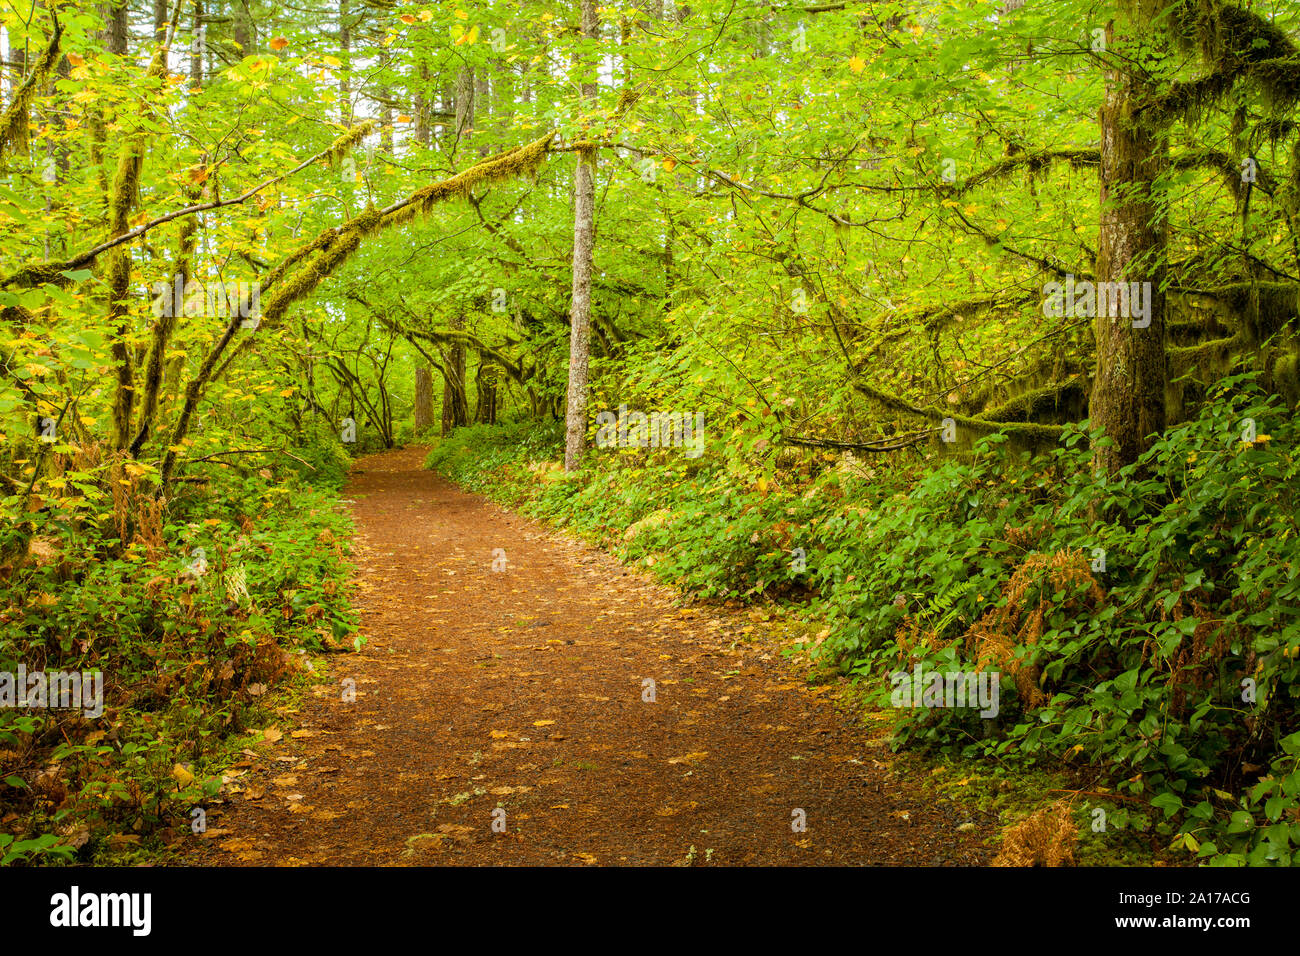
(523, 689)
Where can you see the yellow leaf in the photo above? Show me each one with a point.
(857, 64)
(279, 43)
(333, 61)
(542, 723)
(689, 758)
(183, 776)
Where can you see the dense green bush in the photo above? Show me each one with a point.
(322, 458)
(1133, 616)
(190, 611)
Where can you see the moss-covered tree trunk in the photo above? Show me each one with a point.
(1128, 392)
(423, 397)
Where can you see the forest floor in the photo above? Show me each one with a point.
(523, 689)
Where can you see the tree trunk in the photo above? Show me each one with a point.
(115, 27)
(464, 103)
(422, 110)
(159, 20)
(455, 407)
(345, 74)
(197, 42)
(455, 403)
(485, 412)
(584, 241)
(423, 397)
(385, 106)
(1128, 392)
(244, 29)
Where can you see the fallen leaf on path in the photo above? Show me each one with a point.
(237, 845)
(689, 758)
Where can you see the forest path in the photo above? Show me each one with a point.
(523, 689)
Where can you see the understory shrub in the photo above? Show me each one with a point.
(190, 609)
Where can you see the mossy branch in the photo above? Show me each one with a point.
(14, 126)
(1235, 44)
(1028, 431)
(1033, 162)
(1038, 401)
(1228, 167)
